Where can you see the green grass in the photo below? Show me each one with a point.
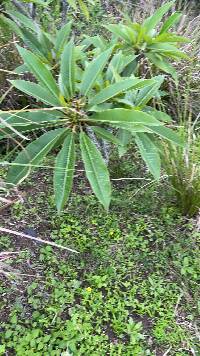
(131, 290)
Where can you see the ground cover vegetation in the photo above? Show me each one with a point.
(99, 125)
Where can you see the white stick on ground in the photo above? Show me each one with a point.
(20, 234)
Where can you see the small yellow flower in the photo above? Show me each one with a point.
(89, 289)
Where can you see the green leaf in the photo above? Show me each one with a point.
(151, 22)
(160, 115)
(131, 128)
(141, 35)
(93, 69)
(32, 42)
(36, 91)
(117, 64)
(64, 171)
(67, 71)
(124, 116)
(175, 54)
(2, 349)
(84, 9)
(168, 134)
(25, 129)
(147, 93)
(95, 41)
(162, 64)
(62, 37)
(73, 4)
(21, 69)
(117, 88)
(127, 33)
(170, 37)
(106, 135)
(24, 20)
(131, 68)
(19, 118)
(100, 107)
(96, 170)
(39, 70)
(149, 153)
(174, 18)
(32, 155)
(132, 34)
(47, 43)
(125, 137)
(13, 26)
(118, 30)
(24, 122)
(167, 49)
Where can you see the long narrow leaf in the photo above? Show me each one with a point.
(147, 93)
(24, 20)
(117, 64)
(67, 71)
(116, 88)
(160, 115)
(96, 170)
(106, 135)
(167, 134)
(84, 9)
(47, 43)
(162, 64)
(130, 127)
(167, 49)
(39, 70)
(124, 116)
(149, 153)
(174, 18)
(64, 171)
(62, 37)
(32, 42)
(125, 138)
(36, 91)
(32, 155)
(151, 22)
(28, 117)
(13, 26)
(93, 70)
(170, 37)
(118, 30)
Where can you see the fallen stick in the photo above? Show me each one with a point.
(9, 203)
(20, 234)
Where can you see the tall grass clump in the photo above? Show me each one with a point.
(182, 164)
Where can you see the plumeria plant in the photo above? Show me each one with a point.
(152, 39)
(80, 99)
(47, 46)
(84, 94)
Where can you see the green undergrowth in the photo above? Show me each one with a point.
(131, 290)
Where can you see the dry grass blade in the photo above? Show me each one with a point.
(13, 129)
(20, 234)
(2, 98)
